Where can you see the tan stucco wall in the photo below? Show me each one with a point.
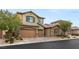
(27, 23)
(52, 31)
(24, 22)
(19, 15)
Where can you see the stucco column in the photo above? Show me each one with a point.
(36, 33)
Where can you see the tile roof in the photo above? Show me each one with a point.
(74, 28)
(57, 21)
(50, 25)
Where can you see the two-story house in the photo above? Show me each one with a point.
(31, 24)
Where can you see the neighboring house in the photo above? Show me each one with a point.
(31, 24)
(75, 31)
(53, 29)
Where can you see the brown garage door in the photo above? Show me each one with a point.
(41, 33)
(27, 33)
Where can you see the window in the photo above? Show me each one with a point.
(41, 21)
(30, 19)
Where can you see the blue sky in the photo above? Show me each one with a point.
(54, 14)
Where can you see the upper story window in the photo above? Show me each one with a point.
(41, 21)
(30, 19)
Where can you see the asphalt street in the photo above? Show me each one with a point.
(64, 44)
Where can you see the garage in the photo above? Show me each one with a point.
(41, 33)
(27, 33)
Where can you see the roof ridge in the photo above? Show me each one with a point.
(30, 12)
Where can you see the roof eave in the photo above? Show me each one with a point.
(30, 12)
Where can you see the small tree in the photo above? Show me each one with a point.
(9, 22)
(64, 26)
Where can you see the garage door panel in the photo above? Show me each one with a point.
(41, 33)
(28, 33)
